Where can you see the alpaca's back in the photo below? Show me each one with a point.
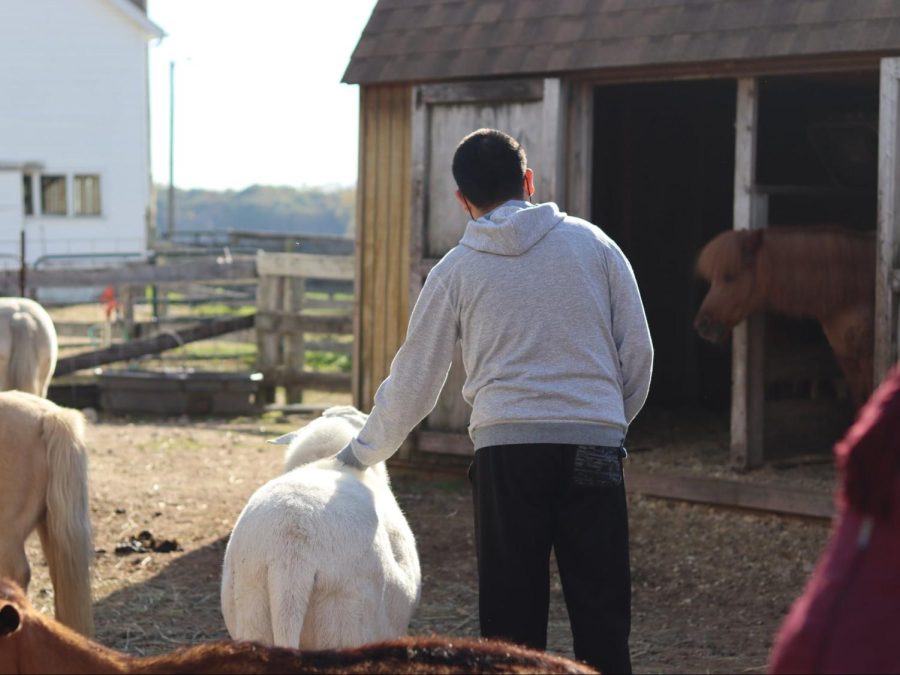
(321, 556)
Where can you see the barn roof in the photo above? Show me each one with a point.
(432, 40)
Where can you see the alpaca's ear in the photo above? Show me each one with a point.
(751, 240)
(284, 440)
(9, 620)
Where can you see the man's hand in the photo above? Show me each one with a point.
(347, 457)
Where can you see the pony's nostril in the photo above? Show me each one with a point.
(701, 324)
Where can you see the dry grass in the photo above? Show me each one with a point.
(710, 586)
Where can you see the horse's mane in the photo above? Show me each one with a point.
(721, 254)
(810, 271)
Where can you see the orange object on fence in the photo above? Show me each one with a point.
(109, 302)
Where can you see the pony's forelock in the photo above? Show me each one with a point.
(722, 254)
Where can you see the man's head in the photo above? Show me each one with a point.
(490, 168)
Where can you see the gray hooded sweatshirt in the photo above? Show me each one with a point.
(555, 342)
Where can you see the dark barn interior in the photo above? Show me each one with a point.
(664, 186)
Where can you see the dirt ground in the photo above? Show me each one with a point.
(710, 586)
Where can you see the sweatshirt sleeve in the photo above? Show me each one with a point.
(630, 332)
(417, 375)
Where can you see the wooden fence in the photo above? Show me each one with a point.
(285, 322)
(285, 318)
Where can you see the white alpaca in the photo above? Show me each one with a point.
(28, 346)
(322, 556)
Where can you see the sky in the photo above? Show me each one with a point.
(258, 98)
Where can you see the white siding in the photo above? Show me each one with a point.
(74, 99)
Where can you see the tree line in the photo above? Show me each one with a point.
(308, 210)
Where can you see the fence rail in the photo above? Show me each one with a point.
(287, 323)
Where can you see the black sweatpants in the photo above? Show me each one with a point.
(530, 499)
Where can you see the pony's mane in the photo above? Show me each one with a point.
(719, 255)
(810, 271)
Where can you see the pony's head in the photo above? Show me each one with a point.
(728, 263)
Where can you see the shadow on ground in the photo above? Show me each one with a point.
(180, 605)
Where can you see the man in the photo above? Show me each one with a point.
(558, 359)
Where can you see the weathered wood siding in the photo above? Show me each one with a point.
(887, 281)
(531, 110)
(382, 235)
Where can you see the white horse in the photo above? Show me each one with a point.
(322, 556)
(28, 347)
(43, 486)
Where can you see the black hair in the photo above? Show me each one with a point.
(489, 167)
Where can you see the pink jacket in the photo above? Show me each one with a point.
(848, 618)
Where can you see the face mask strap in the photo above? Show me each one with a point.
(466, 202)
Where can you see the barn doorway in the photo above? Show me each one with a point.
(817, 164)
(663, 186)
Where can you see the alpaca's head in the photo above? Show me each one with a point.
(324, 437)
(347, 412)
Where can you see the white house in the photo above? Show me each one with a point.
(74, 129)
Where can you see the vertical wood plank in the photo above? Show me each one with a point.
(396, 274)
(579, 154)
(747, 367)
(268, 299)
(294, 346)
(403, 308)
(553, 123)
(887, 308)
(418, 206)
(359, 229)
(406, 230)
(370, 224)
(418, 180)
(126, 295)
(382, 228)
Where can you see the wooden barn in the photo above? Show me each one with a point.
(665, 122)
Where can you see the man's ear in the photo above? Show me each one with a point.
(10, 621)
(529, 183)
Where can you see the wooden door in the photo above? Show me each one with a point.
(887, 269)
(529, 110)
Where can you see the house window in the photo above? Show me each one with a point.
(28, 194)
(87, 195)
(53, 195)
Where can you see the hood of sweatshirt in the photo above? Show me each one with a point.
(513, 228)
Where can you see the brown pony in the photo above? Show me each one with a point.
(824, 273)
(33, 643)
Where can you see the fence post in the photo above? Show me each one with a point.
(269, 293)
(127, 302)
(294, 343)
